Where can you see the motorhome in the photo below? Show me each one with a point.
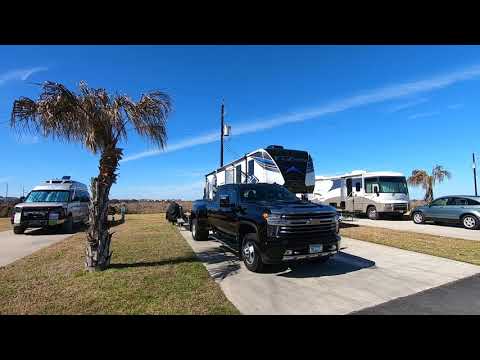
(272, 165)
(363, 192)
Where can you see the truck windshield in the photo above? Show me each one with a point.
(48, 196)
(266, 193)
(393, 185)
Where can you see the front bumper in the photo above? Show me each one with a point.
(394, 208)
(273, 250)
(39, 223)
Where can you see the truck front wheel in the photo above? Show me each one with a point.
(250, 253)
(198, 233)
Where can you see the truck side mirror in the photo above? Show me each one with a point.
(224, 201)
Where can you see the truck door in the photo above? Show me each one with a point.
(229, 214)
(213, 208)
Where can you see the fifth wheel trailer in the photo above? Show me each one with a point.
(370, 193)
(272, 165)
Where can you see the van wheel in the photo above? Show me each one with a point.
(418, 218)
(372, 213)
(250, 253)
(198, 233)
(470, 222)
(67, 226)
(18, 229)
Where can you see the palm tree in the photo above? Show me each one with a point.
(99, 122)
(423, 179)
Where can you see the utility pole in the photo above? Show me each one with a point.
(221, 134)
(474, 174)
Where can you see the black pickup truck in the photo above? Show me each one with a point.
(266, 224)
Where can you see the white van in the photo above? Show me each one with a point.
(55, 202)
(370, 193)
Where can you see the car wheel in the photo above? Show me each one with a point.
(67, 226)
(198, 233)
(18, 229)
(418, 218)
(250, 253)
(470, 222)
(372, 213)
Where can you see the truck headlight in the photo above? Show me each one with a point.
(275, 219)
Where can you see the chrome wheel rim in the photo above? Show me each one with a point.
(372, 212)
(417, 218)
(249, 252)
(469, 222)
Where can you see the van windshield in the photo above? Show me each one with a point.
(48, 196)
(387, 184)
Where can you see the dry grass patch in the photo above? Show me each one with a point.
(451, 248)
(5, 224)
(153, 271)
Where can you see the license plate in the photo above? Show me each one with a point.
(315, 248)
(16, 218)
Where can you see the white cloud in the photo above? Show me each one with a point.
(19, 74)
(367, 98)
(407, 105)
(423, 115)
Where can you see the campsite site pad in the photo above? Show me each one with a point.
(153, 271)
(450, 248)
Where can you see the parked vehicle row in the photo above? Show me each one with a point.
(57, 202)
(464, 210)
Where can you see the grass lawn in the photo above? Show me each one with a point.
(153, 271)
(456, 249)
(5, 224)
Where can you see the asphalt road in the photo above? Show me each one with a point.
(461, 297)
(362, 276)
(404, 225)
(14, 247)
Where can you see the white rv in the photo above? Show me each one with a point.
(273, 165)
(370, 193)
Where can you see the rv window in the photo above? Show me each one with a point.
(349, 187)
(251, 166)
(368, 184)
(238, 174)
(357, 187)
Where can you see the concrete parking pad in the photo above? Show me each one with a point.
(361, 276)
(15, 246)
(403, 225)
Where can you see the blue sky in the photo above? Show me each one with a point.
(352, 107)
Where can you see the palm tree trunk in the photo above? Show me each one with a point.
(98, 252)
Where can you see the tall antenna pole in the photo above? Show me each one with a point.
(474, 174)
(221, 134)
